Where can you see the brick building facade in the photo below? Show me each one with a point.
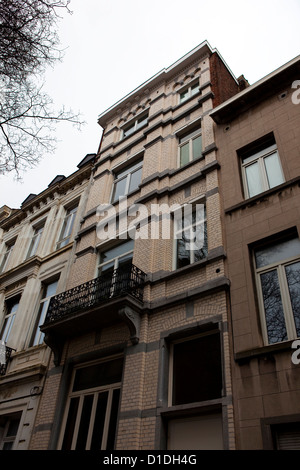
(157, 334)
(257, 134)
(161, 304)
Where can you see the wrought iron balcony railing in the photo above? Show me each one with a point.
(124, 280)
(3, 367)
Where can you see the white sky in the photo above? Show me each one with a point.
(114, 46)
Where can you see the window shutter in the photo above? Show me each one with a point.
(288, 440)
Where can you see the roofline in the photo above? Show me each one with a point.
(253, 89)
(163, 74)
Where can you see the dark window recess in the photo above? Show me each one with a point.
(197, 371)
(286, 436)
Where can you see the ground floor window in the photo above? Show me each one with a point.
(9, 425)
(92, 409)
(286, 436)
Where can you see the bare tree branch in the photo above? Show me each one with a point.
(28, 45)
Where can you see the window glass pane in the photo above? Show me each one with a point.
(113, 420)
(293, 279)
(253, 179)
(273, 170)
(119, 189)
(184, 95)
(141, 121)
(96, 375)
(128, 130)
(13, 427)
(117, 251)
(84, 422)
(99, 421)
(195, 89)
(135, 180)
(69, 431)
(51, 289)
(183, 255)
(200, 379)
(184, 154)
(275, 321)
(197, 147)
(277, 252)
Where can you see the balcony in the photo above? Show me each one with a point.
(3, 366)
(100, 302)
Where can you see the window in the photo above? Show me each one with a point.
(48, 291)
(286, 436)
(67, 227)
(12, 306)
(9, 425)
(195, 369)
(261, 170)
(35, 241)
(278, 280)
(188, 92)
(115, 266)
(92, 409)
(127, 180)
(8, 251)
(190, 235)
(190, 147)
(134, 125)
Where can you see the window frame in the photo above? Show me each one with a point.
(188, 138)
(135, 124)
(9, 245)
(190, 227)
(185, 339)
(35, 240)
(279, 266)
(9, 317)
(188, 89)
(12, 438)
(37, 337)
(259, 157)
(94, 390)
(126, 173)
(67, 226)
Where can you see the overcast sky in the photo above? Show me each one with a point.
(113, 46)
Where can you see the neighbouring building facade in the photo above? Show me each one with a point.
(140, 334)
(258, 140)
(36, 243)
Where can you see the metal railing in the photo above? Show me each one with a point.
(3, 367)
(124, 280)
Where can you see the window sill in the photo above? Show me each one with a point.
(262, 196)
(264, 351)
(192, 408)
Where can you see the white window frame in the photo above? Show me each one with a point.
(9, 318)
(10, 438)
(67, 227)
(128, 171)
(134, 124)
(38, 336)
(279, 266)
(35, 240)
(9, 246)
(258, 158)
(188, 138)
(81, 394)
(190, 227)
(190, 90)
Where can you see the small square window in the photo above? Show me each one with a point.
(261, 168)
(189, 91)
(134, 125)
(127, 180)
